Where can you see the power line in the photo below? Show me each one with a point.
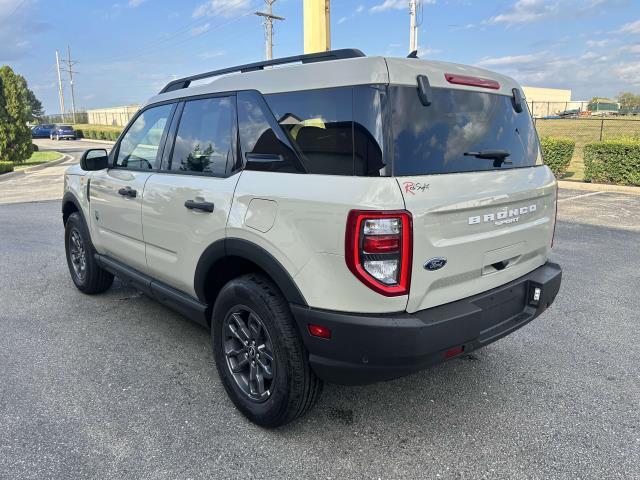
(269, 17)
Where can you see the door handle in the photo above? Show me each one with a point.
(128, 192)
(202, 206)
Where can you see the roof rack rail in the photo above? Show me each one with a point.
(250, 67)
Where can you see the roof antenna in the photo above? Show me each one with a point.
(413, 54)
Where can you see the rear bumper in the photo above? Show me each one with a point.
(370, 348)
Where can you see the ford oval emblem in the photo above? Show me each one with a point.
(435, 263)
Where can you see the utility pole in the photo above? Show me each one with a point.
(317, 26)
(60, 91)
(413, 26)
(70, 64)
(269, 17)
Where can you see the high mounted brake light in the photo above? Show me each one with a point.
(378, 250)
(471, 81)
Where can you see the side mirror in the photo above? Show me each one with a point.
(94, 159)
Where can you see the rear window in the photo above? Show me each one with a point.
(434, 139)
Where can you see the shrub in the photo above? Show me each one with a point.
(6, 167)
(98, 133)
(557, 153)
(34, 147)
(613, 161)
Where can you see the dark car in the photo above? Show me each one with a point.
(42, 131)
(61, 132)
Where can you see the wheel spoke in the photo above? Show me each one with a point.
(254, 326)
(265, 368)
(240, 365)
(231, 350)
(263, 350)
(253, 379)
(241, 327)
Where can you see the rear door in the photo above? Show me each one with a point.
(116, 193)
(477, 222)
(187, 203)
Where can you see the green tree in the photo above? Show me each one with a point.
(15, 137)
(36, 111)
(629, 100)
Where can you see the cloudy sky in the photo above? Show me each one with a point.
(128, 50)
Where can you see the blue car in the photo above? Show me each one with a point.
(42, 131)
(62, 132)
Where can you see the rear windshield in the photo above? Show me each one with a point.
(434, 139)
(65, 127)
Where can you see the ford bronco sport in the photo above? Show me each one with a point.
(347, 219)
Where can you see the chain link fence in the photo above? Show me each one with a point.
(80, 117)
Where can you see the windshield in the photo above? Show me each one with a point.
(65, 127)
(434, 139)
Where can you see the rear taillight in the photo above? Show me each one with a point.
(378, 250)
(472, 81)
(555, 218)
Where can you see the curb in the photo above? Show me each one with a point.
(35, 168)
(107, 142)
(598, 187)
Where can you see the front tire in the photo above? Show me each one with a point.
(85, 272)
(259, 354)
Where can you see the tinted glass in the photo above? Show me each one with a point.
(205, 137)
(434, 139)
(139, 146)
(264, 146)
(320, 125)
(368, 134)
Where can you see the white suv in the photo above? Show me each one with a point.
(349, 219)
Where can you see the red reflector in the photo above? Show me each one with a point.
(319, 331)
(452, 352)
(471, 81)
(381, 244)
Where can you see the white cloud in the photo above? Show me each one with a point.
(199, 30)
(526, 11)
(598, 43)
(511, 60)
(395, 5)
(355, 13)
(221, 8)
(628, 72)
(632, 49)
(135, 3)
(632, 28)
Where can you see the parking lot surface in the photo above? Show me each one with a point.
(117, 386)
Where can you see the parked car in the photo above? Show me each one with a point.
(347, 219)
(42, 131)
(63, 132)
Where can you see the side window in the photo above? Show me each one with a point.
(263, 145)
(205, 137)
(320, 125)
(139, 147)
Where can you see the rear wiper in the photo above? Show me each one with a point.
(500, 156)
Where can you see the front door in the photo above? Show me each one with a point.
(116, 193)
(187, 203)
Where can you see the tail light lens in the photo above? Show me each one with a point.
(555, 218)
(378, 250)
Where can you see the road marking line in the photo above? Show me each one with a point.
(581, 196)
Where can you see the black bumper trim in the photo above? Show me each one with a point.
(368, 348)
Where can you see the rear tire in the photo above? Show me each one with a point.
(252, 318)
(85, 272)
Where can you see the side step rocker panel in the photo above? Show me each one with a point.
(166, 295)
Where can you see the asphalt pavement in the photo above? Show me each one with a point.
(45, 184)
(117, 386)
